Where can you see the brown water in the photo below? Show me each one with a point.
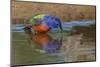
(54, 47)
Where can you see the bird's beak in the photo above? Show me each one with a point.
(60, 26)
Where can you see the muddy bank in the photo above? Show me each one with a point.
(22, 10)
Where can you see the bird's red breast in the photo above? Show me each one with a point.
(40, 28)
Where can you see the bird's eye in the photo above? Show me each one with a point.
(57, 24)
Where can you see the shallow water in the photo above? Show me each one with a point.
(67, 26)
(54, 47)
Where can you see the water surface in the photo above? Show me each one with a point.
(76, 45)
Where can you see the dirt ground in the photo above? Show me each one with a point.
(66, 12)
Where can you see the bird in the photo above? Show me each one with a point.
(42, 23)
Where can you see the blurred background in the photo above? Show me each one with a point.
(22, 10)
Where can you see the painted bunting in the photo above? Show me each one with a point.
(43, 23)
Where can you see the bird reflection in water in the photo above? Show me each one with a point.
(45, 41)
